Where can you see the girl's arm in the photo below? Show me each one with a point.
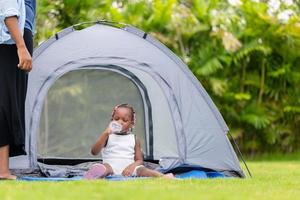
(25, 61)
(138, 156)
(96, 148)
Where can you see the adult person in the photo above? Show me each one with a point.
(15, 63)
(29, 24)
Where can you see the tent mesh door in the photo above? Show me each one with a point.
(78, 108)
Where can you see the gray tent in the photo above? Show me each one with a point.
(79, 75)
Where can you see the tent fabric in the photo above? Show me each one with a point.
(64, 171)
(183, 125)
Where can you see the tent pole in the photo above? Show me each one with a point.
(46, 125)
(240, 153)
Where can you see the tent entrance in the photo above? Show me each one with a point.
(78, 108)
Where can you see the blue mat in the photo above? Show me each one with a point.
(194, 174)
(197, 174)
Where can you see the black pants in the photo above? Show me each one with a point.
(13, 88)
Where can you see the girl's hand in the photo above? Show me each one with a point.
(129, 170)
(108, 131)
(25, 60)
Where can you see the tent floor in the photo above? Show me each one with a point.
(63, 170)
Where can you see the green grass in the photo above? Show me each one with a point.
(271, 180)
(277, 156)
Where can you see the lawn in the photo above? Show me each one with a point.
(271, 180)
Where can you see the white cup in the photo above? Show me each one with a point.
(115, 127)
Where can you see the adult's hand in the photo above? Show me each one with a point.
(25, 60)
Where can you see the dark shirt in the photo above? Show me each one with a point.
(30, 14)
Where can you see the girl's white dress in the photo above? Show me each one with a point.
(119, 152)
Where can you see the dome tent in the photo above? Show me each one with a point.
(79, 75)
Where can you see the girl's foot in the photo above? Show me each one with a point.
(169, 176)
(95, 172)
(8, 177)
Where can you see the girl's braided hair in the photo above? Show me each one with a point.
(125, 105)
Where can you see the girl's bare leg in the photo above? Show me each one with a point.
(4, 166)
(109, 170)
(143, 171)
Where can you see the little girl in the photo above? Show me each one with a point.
(120, 149)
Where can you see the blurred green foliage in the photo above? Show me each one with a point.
(246, 53)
